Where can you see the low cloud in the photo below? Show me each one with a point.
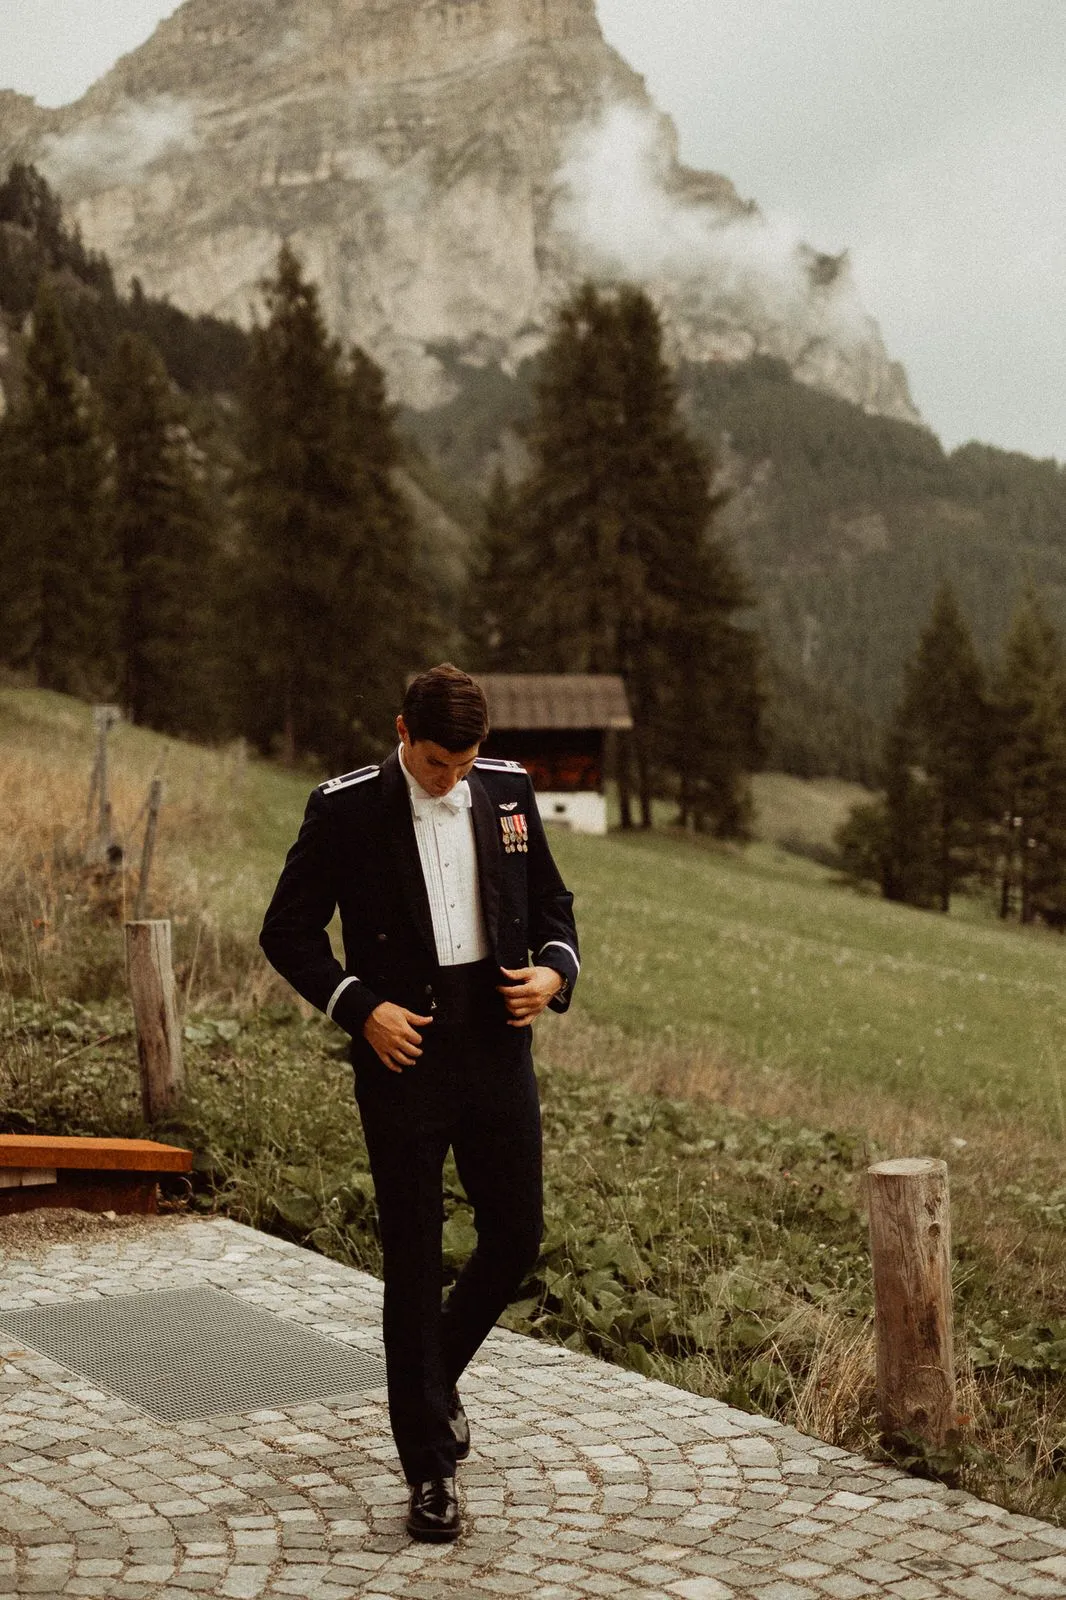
(118, 146)
(621, 202)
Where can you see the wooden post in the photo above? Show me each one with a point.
(104, 719)
(155, 795)
(910, 1238)
(93, 785)
(151, 980)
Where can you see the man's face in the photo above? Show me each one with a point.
(436, 769)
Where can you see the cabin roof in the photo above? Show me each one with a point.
(555, 700)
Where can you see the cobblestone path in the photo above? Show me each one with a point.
(584, 1480)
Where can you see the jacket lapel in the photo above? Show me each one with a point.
(487, 841)
(401, 828)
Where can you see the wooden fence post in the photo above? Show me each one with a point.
(910, 1239)
(155, 796)
(151, 979)
(104, 719)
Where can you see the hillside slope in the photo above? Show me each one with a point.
(754, 960)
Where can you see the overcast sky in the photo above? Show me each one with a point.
(926, 136)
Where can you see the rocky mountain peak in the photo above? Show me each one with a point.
(206, 45)
(447, 169)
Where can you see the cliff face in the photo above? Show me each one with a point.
(447, 169)
(362, 43)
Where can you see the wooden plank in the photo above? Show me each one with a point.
(124, 1193)
(101, 1155)
(26, 1177)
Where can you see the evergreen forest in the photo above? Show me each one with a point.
(973, 772)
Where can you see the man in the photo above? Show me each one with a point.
(445, 883)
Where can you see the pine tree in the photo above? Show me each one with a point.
(938, 755)
(333, 607)
(906, 841)
(490, 589)
(708, 725)
(717, 701)
(164, 529)
(614, 567)
(571, 504)
(19, 560)
(399, 625)
(60, 596)
(36, 242)
(1029, 773)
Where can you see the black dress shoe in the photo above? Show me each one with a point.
(460, 1426)
(434, 1510)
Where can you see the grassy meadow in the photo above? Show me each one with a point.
(749, 1034)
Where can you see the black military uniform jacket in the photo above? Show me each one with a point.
(357, 851)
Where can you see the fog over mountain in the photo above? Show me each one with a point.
(446, 169)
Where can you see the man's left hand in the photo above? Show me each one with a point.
(528, 992)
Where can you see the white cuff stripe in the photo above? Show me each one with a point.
(561, 946)
(335, 996)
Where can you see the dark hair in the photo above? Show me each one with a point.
(446, 706)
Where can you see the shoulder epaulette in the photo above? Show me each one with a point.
(499, 766)
(350, 779)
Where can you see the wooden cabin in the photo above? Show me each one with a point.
(557, 726)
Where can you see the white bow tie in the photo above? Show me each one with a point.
(457, 799)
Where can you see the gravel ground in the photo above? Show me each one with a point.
(31, 1234)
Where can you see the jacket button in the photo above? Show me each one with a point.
(429, 988)
(383, 938)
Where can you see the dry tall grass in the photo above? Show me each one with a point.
(61, 911)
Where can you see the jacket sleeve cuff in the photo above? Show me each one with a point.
(562, 958)
(350, 1005)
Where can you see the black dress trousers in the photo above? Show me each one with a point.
(473, 1089)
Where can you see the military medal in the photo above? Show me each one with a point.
(515, 834)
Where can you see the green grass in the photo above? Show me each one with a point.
(802, 812)
(758, 956)
(744, 957)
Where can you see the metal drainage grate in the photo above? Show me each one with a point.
(185, 1353)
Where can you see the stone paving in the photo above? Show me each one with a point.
(584, 1480)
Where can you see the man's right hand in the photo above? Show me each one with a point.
(390, 1032)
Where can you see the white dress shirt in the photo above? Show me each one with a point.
(444, 833)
